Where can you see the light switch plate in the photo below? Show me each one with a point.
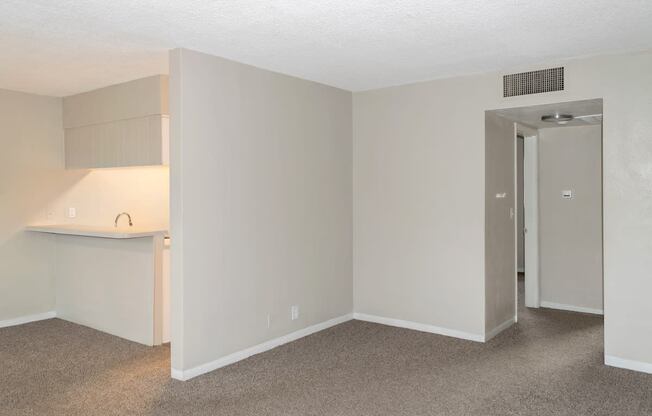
(567, 194)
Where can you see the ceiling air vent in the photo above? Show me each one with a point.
(533, 82)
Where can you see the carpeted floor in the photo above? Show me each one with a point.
(550, 363)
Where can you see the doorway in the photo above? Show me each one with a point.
(555, 210)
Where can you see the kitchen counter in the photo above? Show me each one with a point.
(100, 232)
(109, 279)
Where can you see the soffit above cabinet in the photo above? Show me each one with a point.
(138, 98)
(121, 125)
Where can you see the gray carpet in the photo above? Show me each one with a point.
(550, 363)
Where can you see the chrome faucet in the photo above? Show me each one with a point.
(120, 215)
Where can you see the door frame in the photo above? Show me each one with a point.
(531, 216)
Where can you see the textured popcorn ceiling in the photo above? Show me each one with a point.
(63, 47)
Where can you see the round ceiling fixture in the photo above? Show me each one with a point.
(557, 118)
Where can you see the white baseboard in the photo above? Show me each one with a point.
(184, 375)
(628, 364)
(571, 308)
(500, 328)
(419, 327)
(29, 318)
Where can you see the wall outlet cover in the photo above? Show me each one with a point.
(294, 312)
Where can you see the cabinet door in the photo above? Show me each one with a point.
(138, 141)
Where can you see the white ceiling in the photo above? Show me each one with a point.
(586, 112)
(67, 46)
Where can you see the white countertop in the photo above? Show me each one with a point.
(93, 231)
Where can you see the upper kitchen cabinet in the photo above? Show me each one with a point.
(121, 125)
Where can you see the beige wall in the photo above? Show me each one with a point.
(261, 206)
(31, 139)
(500, 238)
(418, 177)
(100, 194)
(419, 200)
(570, 233)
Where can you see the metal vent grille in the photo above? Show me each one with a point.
(533, 82)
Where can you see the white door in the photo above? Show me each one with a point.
(531, 208)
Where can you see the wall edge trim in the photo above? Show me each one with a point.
(27, 319)
(184, 375)
(633, 365)
(419, 327)
(571, 308)
(500, 328)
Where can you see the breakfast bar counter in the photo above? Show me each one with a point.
(109, 278)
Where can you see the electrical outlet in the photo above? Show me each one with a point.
(72, 212)
(269, 320)
(294, 312)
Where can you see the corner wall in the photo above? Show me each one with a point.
(570, 230)
(418, 175)
(32, 155)
(419, 200)
(260, 208)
